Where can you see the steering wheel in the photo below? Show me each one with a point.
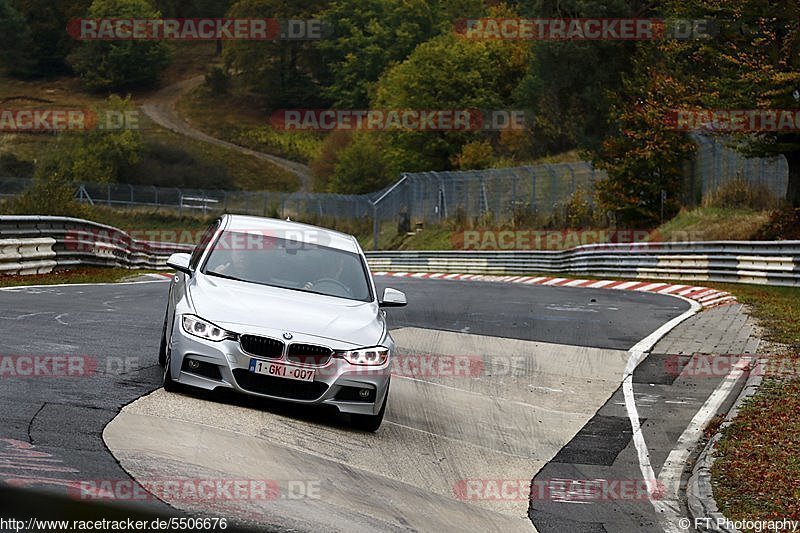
(335, 283)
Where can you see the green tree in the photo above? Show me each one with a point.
(15, 40)
(372, 35)
(193, 8)
(279, 73)
(449, 72)
(362, 166)
(571, 85)
(41, 49)
(115, 65)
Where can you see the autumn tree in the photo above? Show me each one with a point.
(753, 63)
(643, 155)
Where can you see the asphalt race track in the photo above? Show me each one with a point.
(541, 363)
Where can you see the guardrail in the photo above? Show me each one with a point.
(760, 262)
(40, 244)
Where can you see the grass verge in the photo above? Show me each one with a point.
(756, 474)
(77, 275)
(239, 120)
(247, 172)
(714, 223)
(147, 219)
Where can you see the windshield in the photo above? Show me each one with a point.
(288, 264)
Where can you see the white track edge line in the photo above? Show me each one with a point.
(637, 354)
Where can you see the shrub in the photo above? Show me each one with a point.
(167, 165)
(362, 167)
(218, 81)
(784, 224)
(475, 155)
(11, 167)
(51, 194)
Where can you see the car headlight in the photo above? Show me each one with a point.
(374, 356)
(198, 327)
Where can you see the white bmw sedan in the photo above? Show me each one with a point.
(281, 310)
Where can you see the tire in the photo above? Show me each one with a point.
(162, 350)
(169, 384)
(371, 423)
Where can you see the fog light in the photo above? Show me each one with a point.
(194, 365)
(364, 393)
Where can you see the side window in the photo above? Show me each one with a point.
(205, 239)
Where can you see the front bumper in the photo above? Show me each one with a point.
(223, 364)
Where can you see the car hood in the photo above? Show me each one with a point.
(249, 307)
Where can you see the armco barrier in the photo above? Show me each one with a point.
(761, 262)
(36, 244)
(41, 244)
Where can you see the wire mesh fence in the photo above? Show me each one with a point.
(717, 163)
(426, 196)
(498, 195)
(208, 201)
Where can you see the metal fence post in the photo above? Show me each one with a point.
(553, 178)
(375, 227)
(572, 173)
(513, 195)
(375, 223)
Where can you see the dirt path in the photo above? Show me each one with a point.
(160, 107)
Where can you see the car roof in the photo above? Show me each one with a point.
(287, 229)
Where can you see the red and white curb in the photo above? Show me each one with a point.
(159, 275)
(703, 295)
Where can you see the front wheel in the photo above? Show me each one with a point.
(162, 349)
(371, 423)
(169, 384)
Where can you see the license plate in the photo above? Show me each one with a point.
(281, 371)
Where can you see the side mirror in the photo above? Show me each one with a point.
(180, 262)
(392, 298)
